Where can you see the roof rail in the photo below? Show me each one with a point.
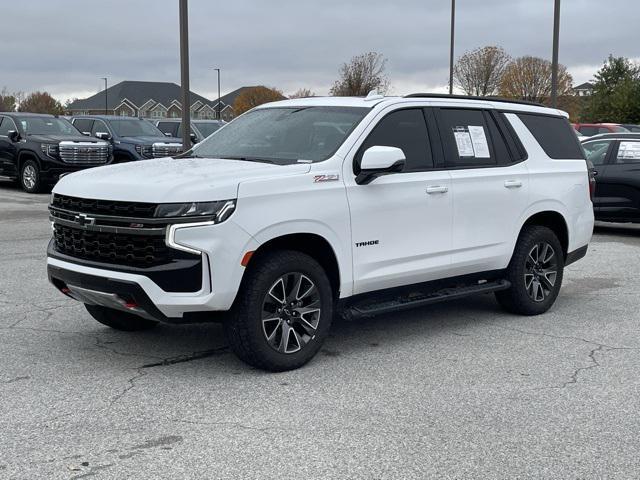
(470, 97)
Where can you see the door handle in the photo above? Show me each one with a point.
(431, 189)
(512, 183)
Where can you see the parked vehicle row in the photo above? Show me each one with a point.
(591, 129)
(306, 207)
(616, 162)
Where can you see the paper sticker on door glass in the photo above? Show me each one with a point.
(463, 141)
(629, 151)
(479, 141)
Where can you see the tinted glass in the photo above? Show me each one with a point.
(99, 126)
(466, 137)
(5, 125)
(207, 128)
(406, 130)
(134, 128)
(47, 126)
(498, 141)
(628, 152)
(618, 129)
(554, 134)
(588, 131)
(596, 152)
(83, 124)
(283, 135)
(169, 127)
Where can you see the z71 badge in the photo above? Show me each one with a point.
(326, 178)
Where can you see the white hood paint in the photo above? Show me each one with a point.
(168, 180)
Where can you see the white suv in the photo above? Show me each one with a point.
(301, 209)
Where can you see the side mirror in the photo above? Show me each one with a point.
(103, 136)
(13, 135)
(194, 139)
(377, 161)
(88, 134)
(167, 134)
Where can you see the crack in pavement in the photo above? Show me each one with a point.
(187, 358)
(17, 379)
(228, 424)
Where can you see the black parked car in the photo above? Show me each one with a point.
(200, 129)
(616, 162)
(38, 148)
(132, 138)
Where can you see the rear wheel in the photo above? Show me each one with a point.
(535, 272)
(119, 320)
(283, 312)
(30, 177)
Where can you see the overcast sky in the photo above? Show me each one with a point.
(65, 46)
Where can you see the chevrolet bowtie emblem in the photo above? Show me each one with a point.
(83, 220)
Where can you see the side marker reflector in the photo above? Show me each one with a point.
(246, 258)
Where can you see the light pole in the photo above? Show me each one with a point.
(184, 74)
(453, 23)
(218, 107)
(554, 59)
(106, 98)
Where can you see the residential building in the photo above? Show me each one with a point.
(583, 90)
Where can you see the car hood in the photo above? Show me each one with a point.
(169, 180)
(66, 138)
(149, 140)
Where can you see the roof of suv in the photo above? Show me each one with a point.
(434, 99)
(27, 114)
(613, 136)
(109, 117)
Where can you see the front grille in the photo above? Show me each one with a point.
(133, 250)
(104, 207)
(84, 153)
(166, 149)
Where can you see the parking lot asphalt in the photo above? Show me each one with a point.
(457, 390)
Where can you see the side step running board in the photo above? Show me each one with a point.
(417, 299)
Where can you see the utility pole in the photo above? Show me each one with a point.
(106, 98)
(453, 23)
(184, 74)
(554, 60)
(218, 107)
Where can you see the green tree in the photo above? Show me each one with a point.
(616, 92)
(41, 102)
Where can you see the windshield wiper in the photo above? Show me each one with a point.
(249, 159)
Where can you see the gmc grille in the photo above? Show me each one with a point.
(166, 149)
(79, 153)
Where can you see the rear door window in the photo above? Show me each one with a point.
(406, 130)
(628, 152)
(554, 134)
(467, 138)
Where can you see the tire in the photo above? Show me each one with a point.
(535, 272)
(30, 177)
(283, 312)
(118, 320)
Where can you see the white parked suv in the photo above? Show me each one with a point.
(302, 209)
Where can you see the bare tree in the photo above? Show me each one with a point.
(479, 71)
(302, 93)
(8, 101)
(529, 78)
(363, 74)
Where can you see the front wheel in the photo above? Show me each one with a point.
(283, 312)
(118, 320)
(30, 177)
(535, 272)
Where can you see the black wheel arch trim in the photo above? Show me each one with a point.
(576, 255)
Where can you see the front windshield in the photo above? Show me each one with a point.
(133, 127)
(283, 135)
(47, 126)
(207, 128)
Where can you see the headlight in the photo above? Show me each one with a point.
(220, 210)
(145, 150)
(50, 149)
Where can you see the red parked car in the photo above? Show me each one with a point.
(590, 129)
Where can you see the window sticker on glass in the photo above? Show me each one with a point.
(629, 151)
(479, 141)
(463, 141)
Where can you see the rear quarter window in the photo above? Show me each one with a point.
(554, 134)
